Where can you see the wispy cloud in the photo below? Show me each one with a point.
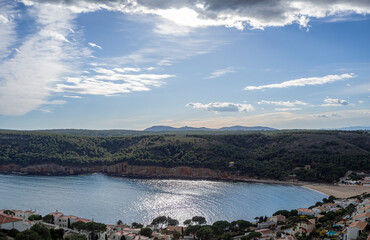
(44, 57)
(221, 72)
(222, 107)
(334, 102)
(95, 45)
(304, 82)
(283, 103)
(7, 27)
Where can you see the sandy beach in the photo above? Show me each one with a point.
(342, 191)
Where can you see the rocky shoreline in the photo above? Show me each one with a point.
(126, 170)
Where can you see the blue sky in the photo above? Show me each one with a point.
(133, 64)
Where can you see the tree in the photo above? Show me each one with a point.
(13, 232)
(220, 226)
(76, 237)
(27, 235)
(42, 231)
(187, 222)
(159, 220)
(56, 234)
(147, 232)
(136, 225)
(172, 222)
(78, 225)
(199, 220)
(225, 236)
(241, 224)
(94, 227)
(9, 212)
(285, 213)
(34, 217)
(205, 233)
(48, 219)
(192, 229)
(119, 222)
(176, 235)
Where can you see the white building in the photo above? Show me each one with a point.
(354, 230)
(362, 217)
(305, 211)
(9, 222)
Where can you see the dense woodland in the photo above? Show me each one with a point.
(272, 154)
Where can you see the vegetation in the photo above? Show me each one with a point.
(146, 232)
(34, 217)
(91, 227)
(271, 154)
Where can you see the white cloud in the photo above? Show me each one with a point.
(127, 69)
(237, 14)
(330, 102)
(222, 107)
(304, 82)
(72, 96)
(109, 82)
(333, 115)
(283, 103)
(95, 45)
(221, 72)
(287, 109)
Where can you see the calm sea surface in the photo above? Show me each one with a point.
(107, 199)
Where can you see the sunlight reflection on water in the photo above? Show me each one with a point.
(108, 199)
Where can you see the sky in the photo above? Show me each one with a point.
(132, 64)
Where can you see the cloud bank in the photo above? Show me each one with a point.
(222, 107)
(238, 14)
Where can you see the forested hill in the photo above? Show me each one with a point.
(264, 154)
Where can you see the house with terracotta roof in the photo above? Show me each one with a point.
(345, 202)
(9, 222)
(305, 211)
(329, 206)
(304, 227)
(265, 232)
(277, 218)
(287, 237)
(319, 210)
(354, 230)
(364, 209)
(362, 217)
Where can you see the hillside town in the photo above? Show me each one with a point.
(344, 219)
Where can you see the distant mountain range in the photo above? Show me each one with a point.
(186, 128)
(355, 128)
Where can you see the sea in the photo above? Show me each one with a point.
(108, 199)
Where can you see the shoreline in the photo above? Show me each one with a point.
(339, 191)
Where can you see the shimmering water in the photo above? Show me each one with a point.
(107, 199)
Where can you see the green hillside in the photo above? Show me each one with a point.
(263, 154)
